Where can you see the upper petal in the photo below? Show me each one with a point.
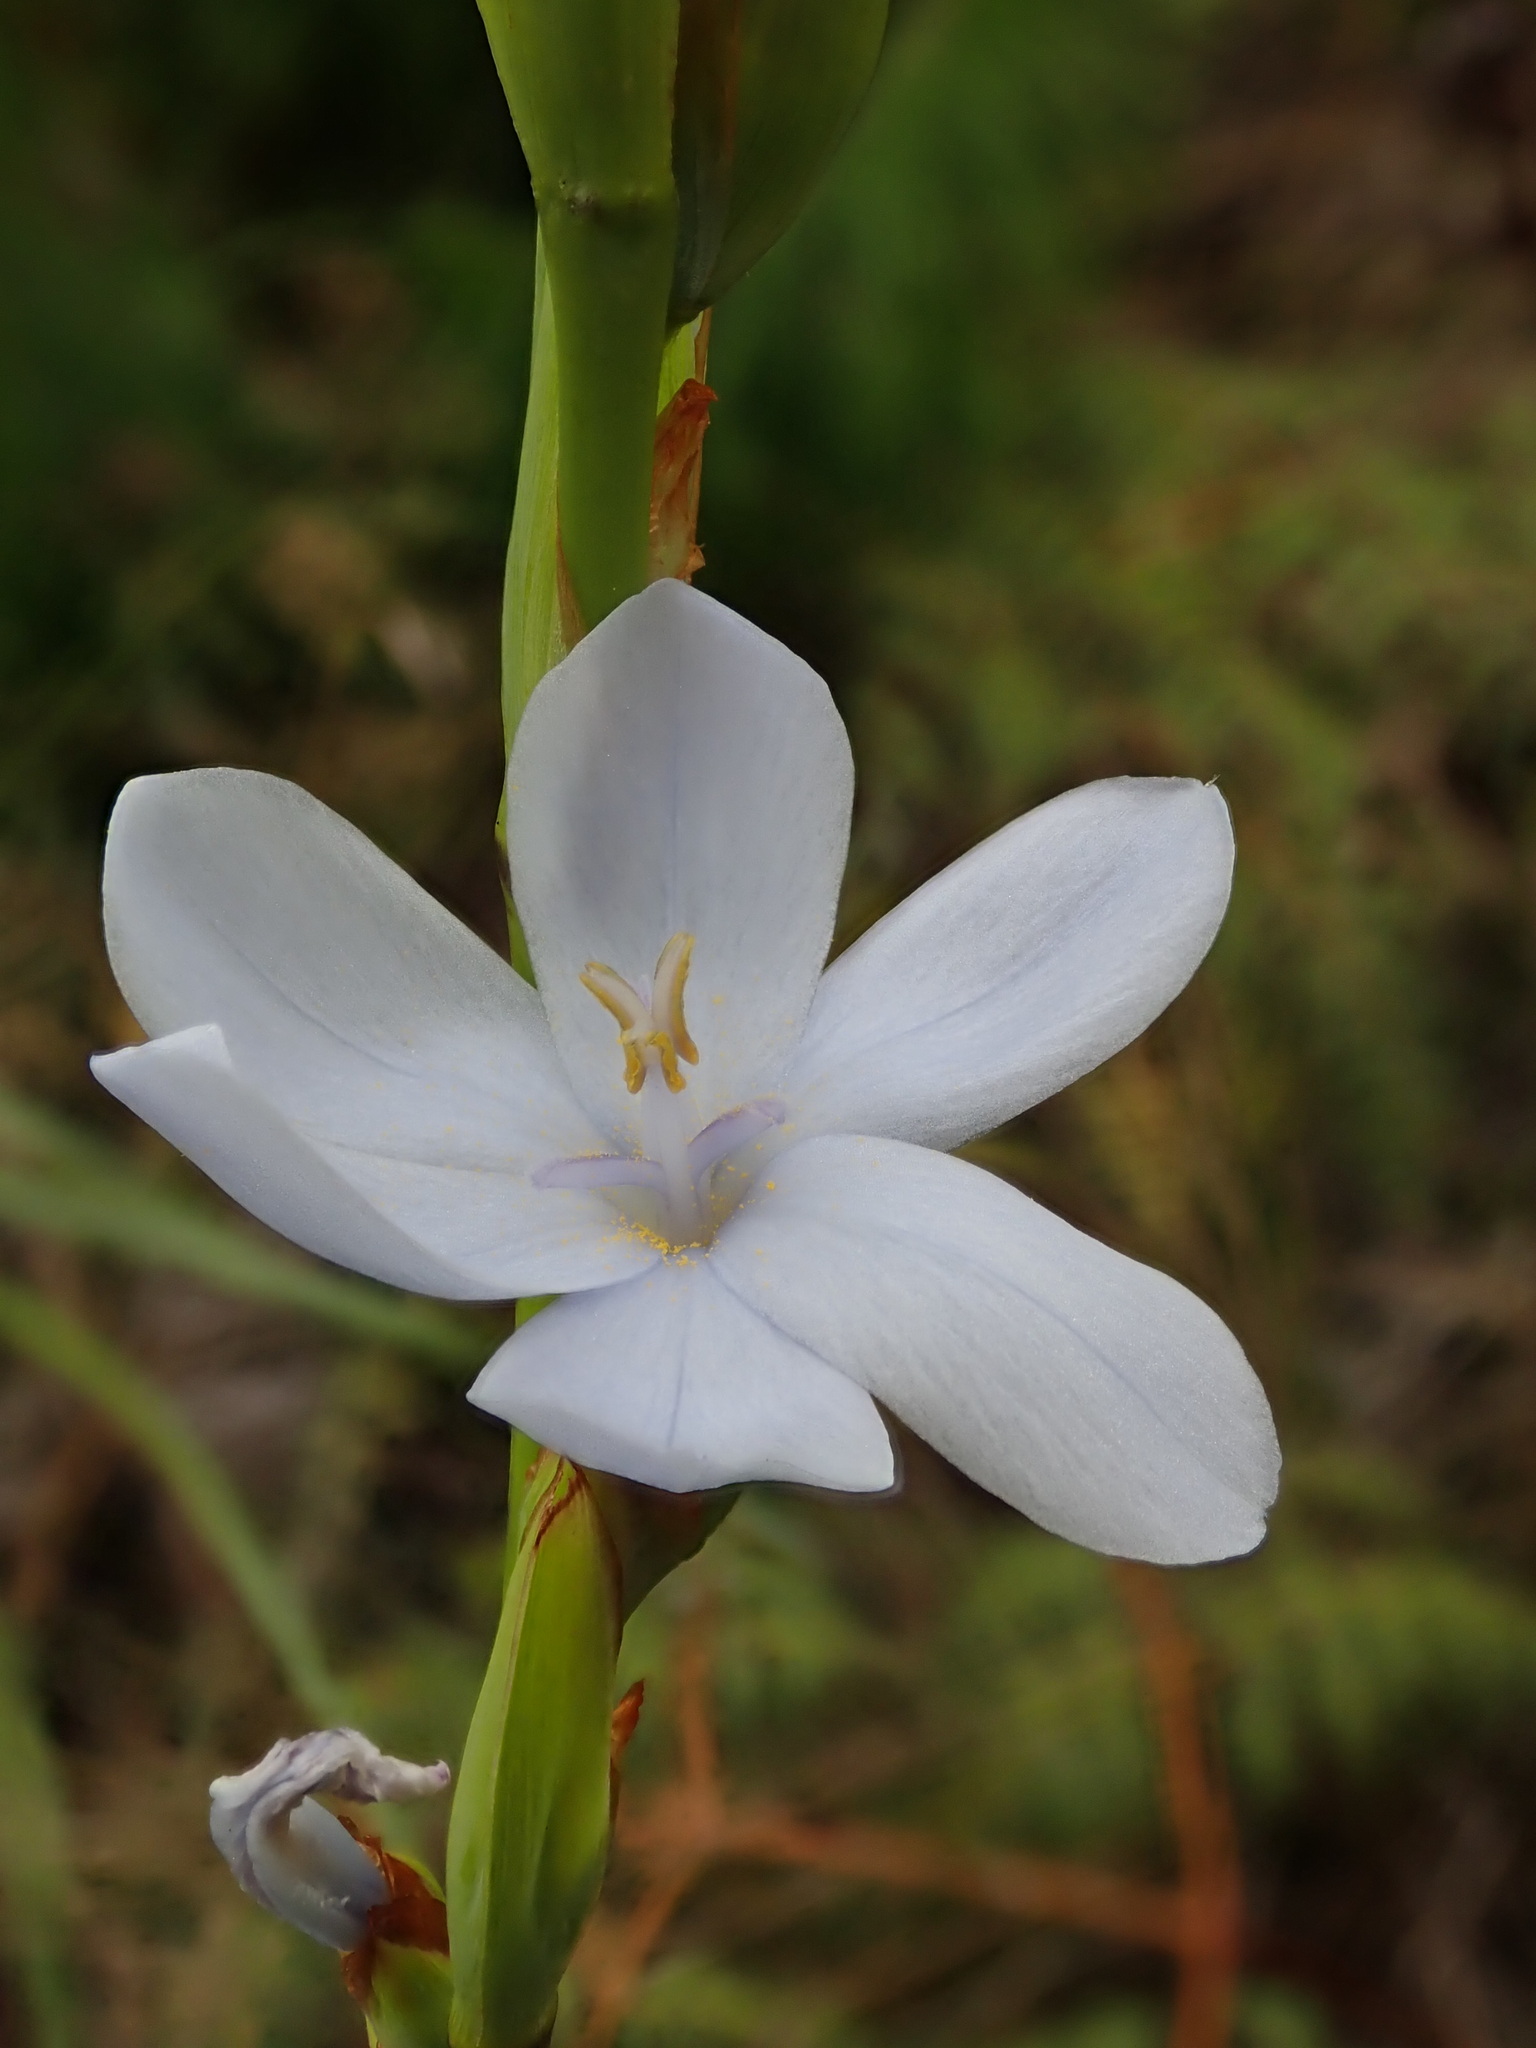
(672, 1381)
(1024, 964)
(349, 998)
(463, 1231)
(680, 771)
(1096, 1395)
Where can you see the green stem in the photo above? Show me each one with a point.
(532, 629)
(532, 632)
(531, 640)
(590, 86)
(528, 1837)
(610, 272)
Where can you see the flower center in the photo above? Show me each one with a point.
(676, 1169)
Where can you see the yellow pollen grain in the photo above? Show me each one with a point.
(653, 1238)
(674, 1254)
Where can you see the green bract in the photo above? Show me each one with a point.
(765, 91)
(529, 1835)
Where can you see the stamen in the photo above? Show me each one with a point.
(652, 1031)
(667, 995)
(680, 1172)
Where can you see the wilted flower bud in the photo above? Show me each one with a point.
(292, 1854)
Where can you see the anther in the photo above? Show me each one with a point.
(634, 1062)
(650, 1028)
(666, 1052)
(667, 995)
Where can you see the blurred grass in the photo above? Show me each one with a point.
(1151, 390)
(49, 1337)
(34, 1856)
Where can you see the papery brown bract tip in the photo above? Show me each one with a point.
(675, 477)
(413, 1916)
(626, 1718)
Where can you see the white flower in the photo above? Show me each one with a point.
(729, 1163)
(292, 1854)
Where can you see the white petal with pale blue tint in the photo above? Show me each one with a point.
(1023, 965)
(670, 1380)
(364, 1075)
(348, 998)
(465, 1233)
(679, 772)
(1094, 1394)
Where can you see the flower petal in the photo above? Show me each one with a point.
(291, 1854)
(1094, 1394)
(680, 771)
(670, 1380)
(1024, 964)
(348, 998)
(466, 1233)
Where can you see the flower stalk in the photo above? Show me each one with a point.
(670, 143)
(540, 622)
(590, 83)
(746, 1254)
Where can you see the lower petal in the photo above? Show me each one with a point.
(670, 1380)
(1097, 1396)
(461, 1234)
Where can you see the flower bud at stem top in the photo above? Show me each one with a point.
(670, 143)
(765, 92)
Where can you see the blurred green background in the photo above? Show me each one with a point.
(1152, 389)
